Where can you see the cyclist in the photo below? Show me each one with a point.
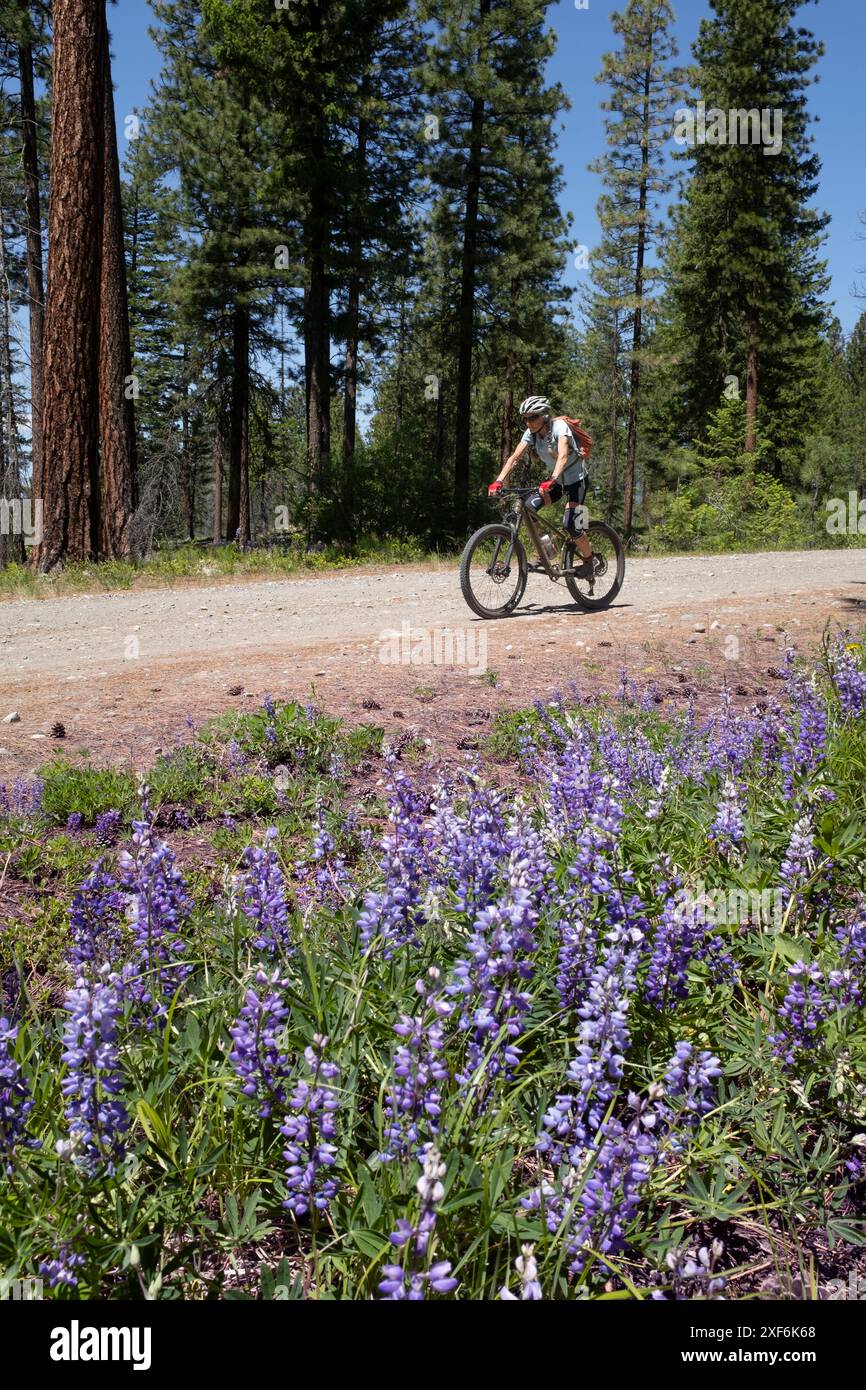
(554, 444)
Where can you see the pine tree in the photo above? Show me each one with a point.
(496, 181)
(212, 126)
(745, 274)
(644, 90)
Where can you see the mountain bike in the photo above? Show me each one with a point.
(494, 567)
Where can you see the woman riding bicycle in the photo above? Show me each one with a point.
(554, 444)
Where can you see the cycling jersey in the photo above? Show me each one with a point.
(547, 450)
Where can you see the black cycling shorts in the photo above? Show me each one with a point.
(575, 492)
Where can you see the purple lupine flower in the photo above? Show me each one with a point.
(15, 1102)
(601, 1182)
(311, 1130)
(107, 827)
(727, 829)
(98, 909)
(236, 759)
(413, 1097)
(261, 897)
(269, 706)
(332, 880)
(490, 980)
(803, 1010)
(848, 982)
(392, 915)
(805, 729)
(22, 799)
(681, 937)
(690, 1091)
(74, 822)
(596, 1070)
(469, 845)
(60, 1268)
(661, 787)
(93, 1081)
(577, 956)
(698, 1271)
(337, 767)
(799, 859)
(256, 1055)
(159, 909)
(527, 1270)
(849, 678)
(410, 1283)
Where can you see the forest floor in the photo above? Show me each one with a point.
(125, 673)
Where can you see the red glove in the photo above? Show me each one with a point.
(494, 489)
(545, 488)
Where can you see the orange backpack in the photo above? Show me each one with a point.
(583, 439)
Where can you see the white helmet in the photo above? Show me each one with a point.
(535, 405)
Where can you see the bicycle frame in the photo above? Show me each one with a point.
(524, 513)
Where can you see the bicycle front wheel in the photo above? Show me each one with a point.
(600, 590)
(493, 571)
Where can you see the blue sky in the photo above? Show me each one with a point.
(839, 99)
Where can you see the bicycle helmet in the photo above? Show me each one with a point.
(536, 405)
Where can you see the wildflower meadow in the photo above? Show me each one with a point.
(300, 1016)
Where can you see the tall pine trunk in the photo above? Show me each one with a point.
(400, 386)
(187, 500)
(751, 439)
(238, 513)
(637, 336)
(466, 317)
(217, 480)
(353, 315)
(70, 413)
(116, 406)
(317, 347)
(507, 415)
(33, 225)
(11, 538)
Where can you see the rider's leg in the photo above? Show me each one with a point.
(536, 501)
(576, 495)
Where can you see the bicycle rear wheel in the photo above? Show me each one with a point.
(605, 584)
(492, 582)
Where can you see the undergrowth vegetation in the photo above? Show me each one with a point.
(599, 1037)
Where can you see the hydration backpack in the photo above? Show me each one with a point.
(583, 439)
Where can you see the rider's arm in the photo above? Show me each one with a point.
(510, 462)
(561, 456)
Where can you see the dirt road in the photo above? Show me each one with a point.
(123, 671)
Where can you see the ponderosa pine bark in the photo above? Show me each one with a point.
(70, 414)
(116, 404)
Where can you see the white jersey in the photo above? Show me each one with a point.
(547, 449)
